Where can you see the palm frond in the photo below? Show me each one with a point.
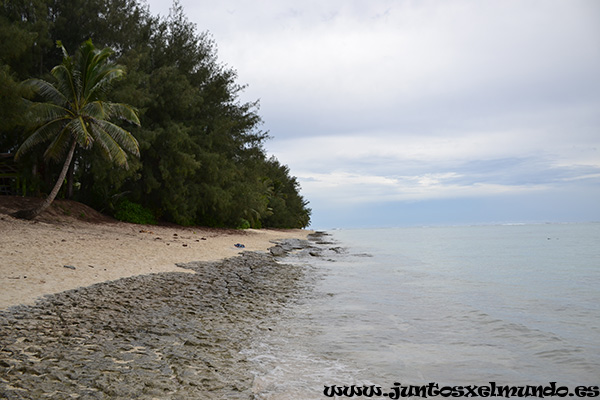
(43, 134)
(65, 82)
(122, 137)
(99, 142)
(79, 129)
(63, 49)
(92, 64)
(95, 110)
(100, 56)
(45, 89)
(109, 145)
(78, 84)
(102, 81)
(85, 65)
(42, 113)
(59, 146)
(122, 111)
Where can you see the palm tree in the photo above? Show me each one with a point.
(74, 114)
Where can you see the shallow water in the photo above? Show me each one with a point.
(513, 304)
(516, 305)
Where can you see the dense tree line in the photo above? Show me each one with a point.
(201, 160)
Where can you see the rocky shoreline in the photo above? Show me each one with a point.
(161, 336)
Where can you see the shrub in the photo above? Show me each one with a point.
(128, 211)
(244, 224)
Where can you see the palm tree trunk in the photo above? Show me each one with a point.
(34, 212)
(70, 179)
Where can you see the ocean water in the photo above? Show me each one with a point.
(512, 304)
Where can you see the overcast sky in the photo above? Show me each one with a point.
(395, 113)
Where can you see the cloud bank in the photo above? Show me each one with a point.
(385, 104)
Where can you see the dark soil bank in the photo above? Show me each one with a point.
(162, 336)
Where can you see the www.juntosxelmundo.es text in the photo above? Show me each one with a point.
(433, 389)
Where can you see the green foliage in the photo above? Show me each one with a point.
(72, 113)
(244, 224)
(289, 209)
(135, 213)
(201, 150)
(11, 111)
(74, 110)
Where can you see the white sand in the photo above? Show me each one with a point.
(33, 255)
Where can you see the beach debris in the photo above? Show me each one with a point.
(239, 245)
(69, 266)
(184, 245)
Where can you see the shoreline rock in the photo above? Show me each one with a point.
(169, 335)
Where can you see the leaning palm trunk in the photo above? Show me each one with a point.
(34, 212)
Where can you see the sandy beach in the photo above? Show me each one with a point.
(92, 308)
(61, 251)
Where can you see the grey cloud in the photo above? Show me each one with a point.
(500, 93)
